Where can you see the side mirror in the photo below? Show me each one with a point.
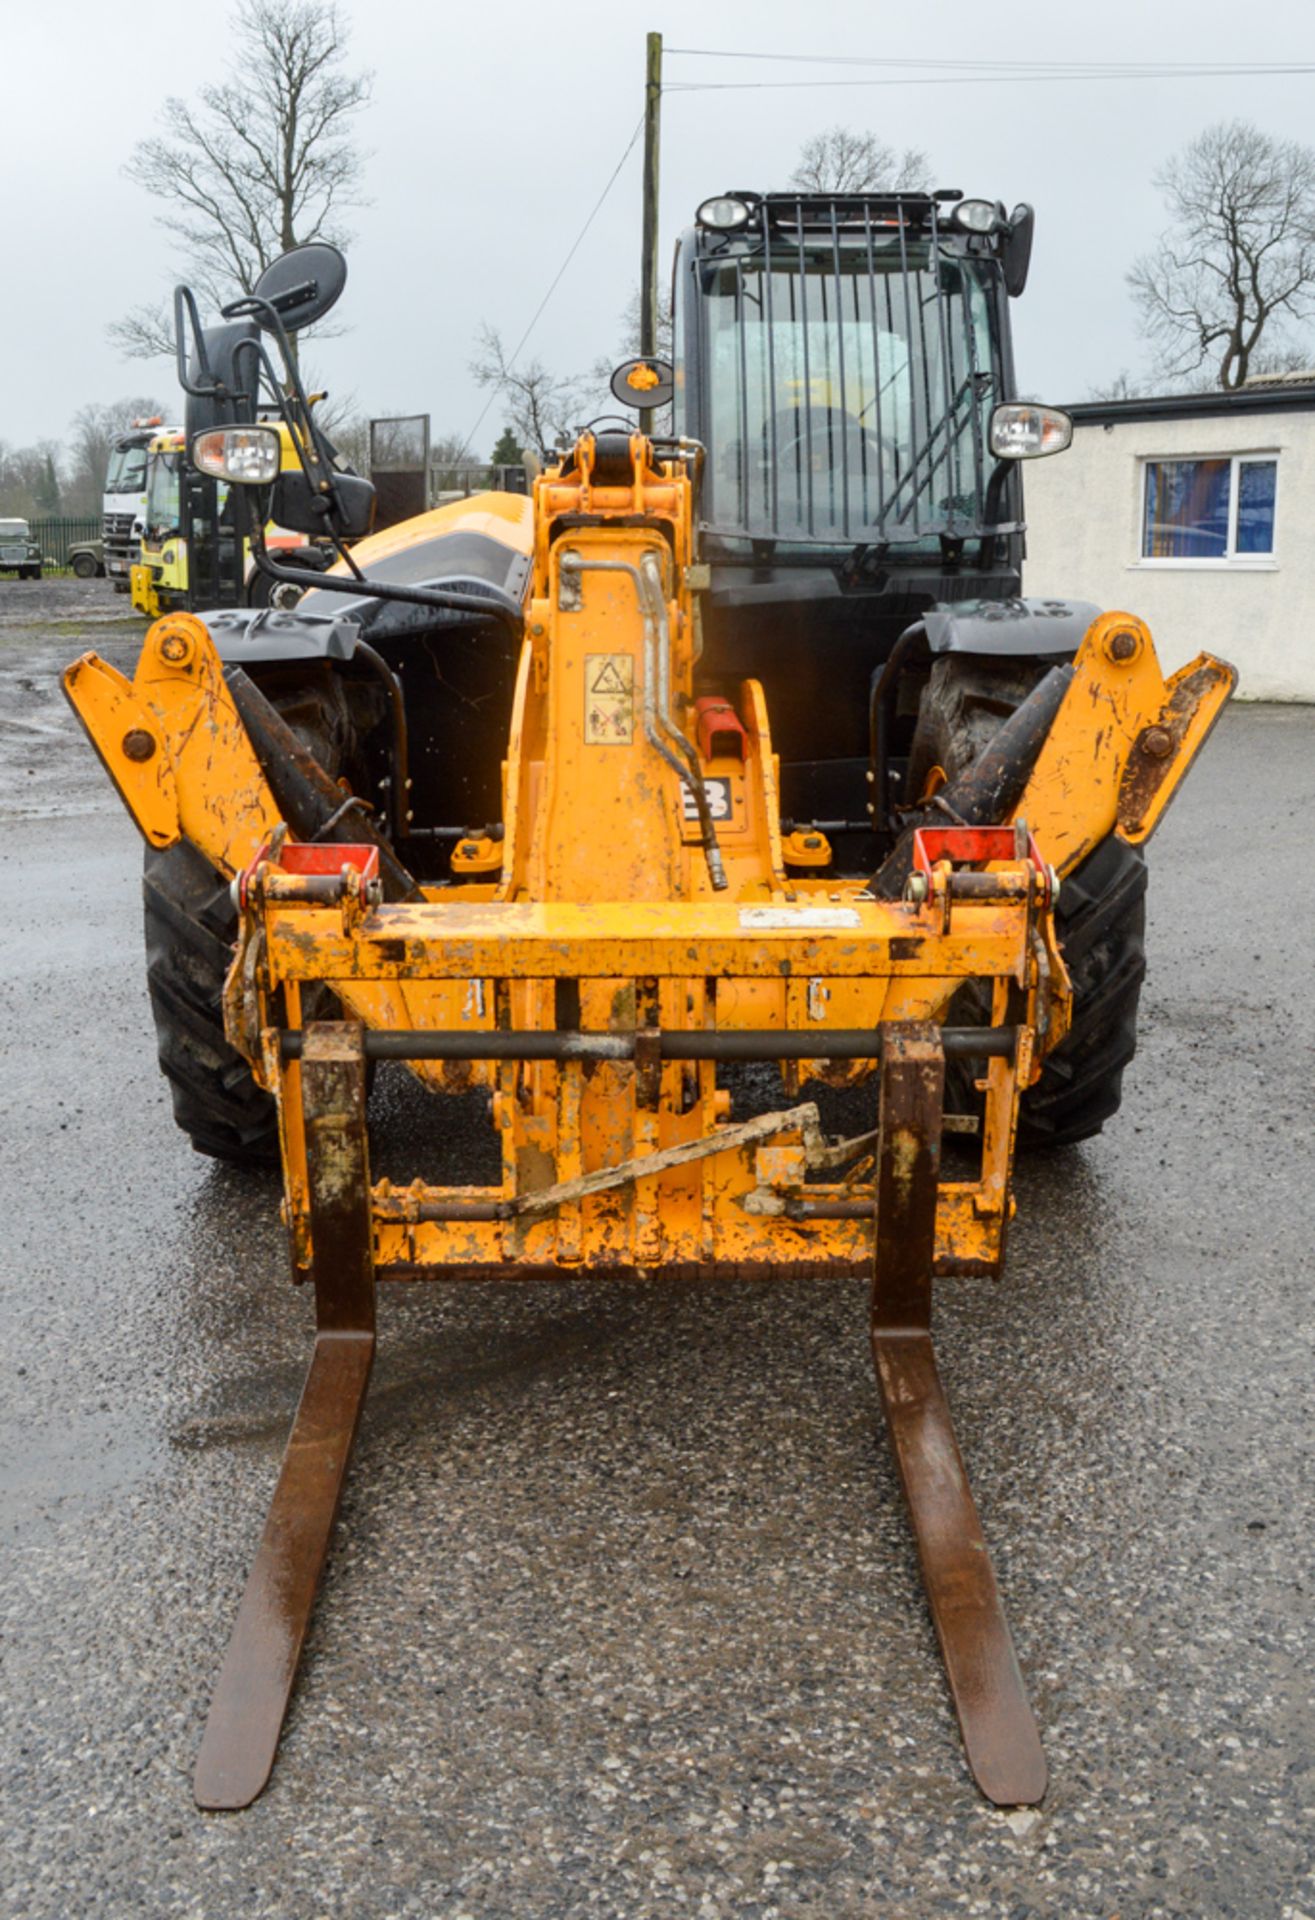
(1016, 254)
(301, 286)
(348, 512)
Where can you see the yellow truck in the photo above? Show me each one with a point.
(190, 554)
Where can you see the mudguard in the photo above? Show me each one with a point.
(251, 636)
(1039, 629)
(255, 636)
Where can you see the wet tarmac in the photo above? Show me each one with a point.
(623, 1616)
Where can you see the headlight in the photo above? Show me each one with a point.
(977, 216)
(1020, 432)
(246, 456)
(723, 214)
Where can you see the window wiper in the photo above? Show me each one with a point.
(944, 427)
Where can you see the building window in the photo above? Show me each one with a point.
(1218, 510)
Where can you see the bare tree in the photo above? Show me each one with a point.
(350, 434)
(27, 476)
(450, 459)
(259, 163)
(627, 348)
(1123, 386)
(541, 407)
(93, 430)
(631, 327)
(1237, 267)
(842, 160)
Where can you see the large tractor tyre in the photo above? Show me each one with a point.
(191, 925)
(1100, 918)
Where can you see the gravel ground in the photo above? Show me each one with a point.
(623, 1616)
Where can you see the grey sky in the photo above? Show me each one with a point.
(493, 129)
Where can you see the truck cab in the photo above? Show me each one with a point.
(190, 554)
(123, 502)
(838, 360)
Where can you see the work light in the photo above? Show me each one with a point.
(723, 214)
(976, 216)
(244, 456)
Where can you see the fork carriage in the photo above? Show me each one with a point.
(619, 1159)
(618, 1155)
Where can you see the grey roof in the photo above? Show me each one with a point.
(1287, 397)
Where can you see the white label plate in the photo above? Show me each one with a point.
(788, 919)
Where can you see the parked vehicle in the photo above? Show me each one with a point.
(87, 559)
(123, 503)
(19, 552)
(189, 556)
(732, 746)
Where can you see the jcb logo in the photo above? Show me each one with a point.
(719, 800)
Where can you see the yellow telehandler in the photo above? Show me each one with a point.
(735, 743)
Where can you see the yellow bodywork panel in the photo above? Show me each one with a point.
(201, 781)
(129, 743)
(141, 585)
(506, 517)
(1121, 742)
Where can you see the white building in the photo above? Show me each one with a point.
(1197, 512)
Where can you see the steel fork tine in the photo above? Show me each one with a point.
(255, 1684)
(999, 1731)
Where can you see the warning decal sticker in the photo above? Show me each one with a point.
(609, 699)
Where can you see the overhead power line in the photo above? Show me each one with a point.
(968, 80)
(560, 273)
(910, 71)
(968, 63)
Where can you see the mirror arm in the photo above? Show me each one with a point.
(345, 554)
(993, 503)
(314, 454)
(252, 307)
(185, 298)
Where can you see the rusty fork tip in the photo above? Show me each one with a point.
(215, 1789)
(1023, 1784)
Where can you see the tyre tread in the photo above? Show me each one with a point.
(1100, 916)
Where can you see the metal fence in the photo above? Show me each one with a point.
(449, 480)
(56, 535)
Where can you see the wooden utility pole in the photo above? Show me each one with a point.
(648, 273)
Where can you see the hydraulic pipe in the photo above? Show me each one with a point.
(309, 800)
(881, 700)
(992, 787)
(399, 791)
(772, 1043)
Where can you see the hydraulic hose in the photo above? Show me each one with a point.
(992, 787)
(312, 803)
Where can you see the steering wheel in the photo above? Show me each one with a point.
(835, 424)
